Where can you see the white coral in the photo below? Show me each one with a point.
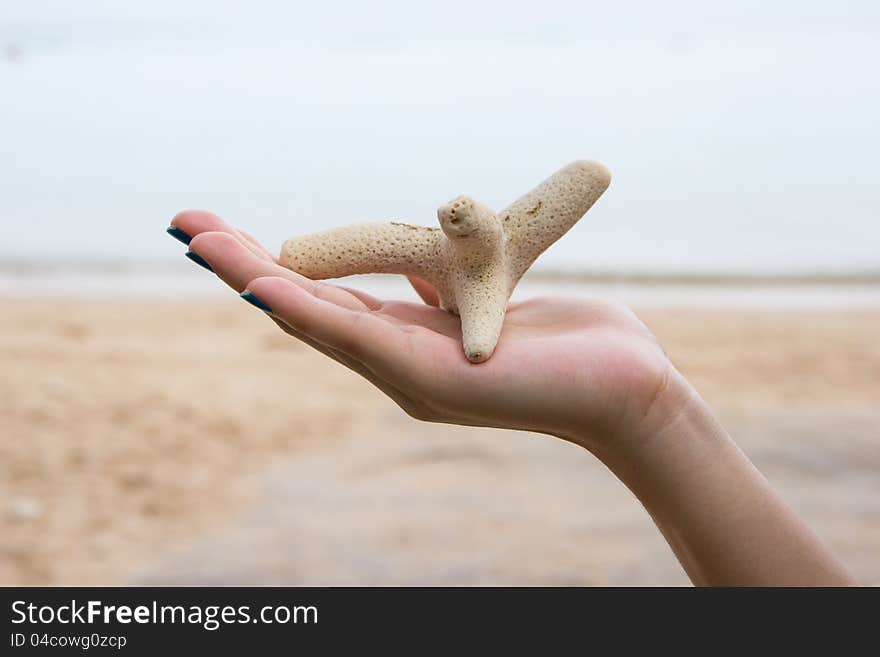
(474, 260)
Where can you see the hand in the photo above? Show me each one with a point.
(585, 370)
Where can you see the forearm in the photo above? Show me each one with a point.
(721, 517)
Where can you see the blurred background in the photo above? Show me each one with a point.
(156, 430)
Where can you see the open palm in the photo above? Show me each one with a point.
(585, 370)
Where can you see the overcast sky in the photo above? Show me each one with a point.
(740, 135)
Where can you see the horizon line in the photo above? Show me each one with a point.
(599, 275)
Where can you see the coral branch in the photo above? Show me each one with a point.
(474, 260)
(369, 248)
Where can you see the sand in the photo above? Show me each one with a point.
(174, 443)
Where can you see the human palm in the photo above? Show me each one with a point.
(585, 370)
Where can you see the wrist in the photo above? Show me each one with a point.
(678, 436)
(675, 408)
(670, 411)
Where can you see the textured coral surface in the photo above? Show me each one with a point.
(474, 259)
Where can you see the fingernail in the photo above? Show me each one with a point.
(179, 235)
(254, 300)
(199, 260)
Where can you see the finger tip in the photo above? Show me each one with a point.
(214, 250)
(186, 218)
(194, 221)
(199, 260)
(255, 301)
(179, 235)
(211, 241)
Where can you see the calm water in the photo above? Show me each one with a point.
(743, 141)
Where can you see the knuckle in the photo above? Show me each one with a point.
(351, 340)
(318, 289)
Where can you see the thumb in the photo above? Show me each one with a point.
(425, 290)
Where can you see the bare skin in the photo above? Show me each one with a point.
(586, 371)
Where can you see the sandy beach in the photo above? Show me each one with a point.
(193, 443)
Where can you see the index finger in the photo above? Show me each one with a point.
(360, 334)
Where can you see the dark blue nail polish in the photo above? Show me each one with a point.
(179, 235)
(254, 300)
(199, 260)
